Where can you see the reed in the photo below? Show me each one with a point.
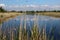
(35, 32)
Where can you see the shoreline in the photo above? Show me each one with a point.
(7, 16)
(50, 14)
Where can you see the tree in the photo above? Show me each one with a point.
(1, 9)
(13, 11)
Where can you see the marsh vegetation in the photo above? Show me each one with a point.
(21, 31)
(24, 32)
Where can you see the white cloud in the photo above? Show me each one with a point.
(23, 6)
(29, 5)
(2, 5)
(56, 6)
(49, 6)
(13, 6)
(32, 7)
(44, 5)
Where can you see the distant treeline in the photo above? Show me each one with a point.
(3, 10)
(39, 11)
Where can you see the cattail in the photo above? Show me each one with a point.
(44, 33)
(10, 32)
(52, 32)
(25, 30)
(4, 34)
(20, 30)
(12, 36)
(34, 30)
(0, 32)
(25, 21)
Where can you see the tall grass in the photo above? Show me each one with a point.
(36, 34)
(22, 33)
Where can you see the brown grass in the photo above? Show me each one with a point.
(53, 14)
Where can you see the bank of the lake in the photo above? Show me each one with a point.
(51, 14)
(43, 21)
(7, 16)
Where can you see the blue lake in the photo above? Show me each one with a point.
(47, 21)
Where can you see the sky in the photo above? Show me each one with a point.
(30, 4)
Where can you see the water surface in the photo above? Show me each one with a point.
(41, 21)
